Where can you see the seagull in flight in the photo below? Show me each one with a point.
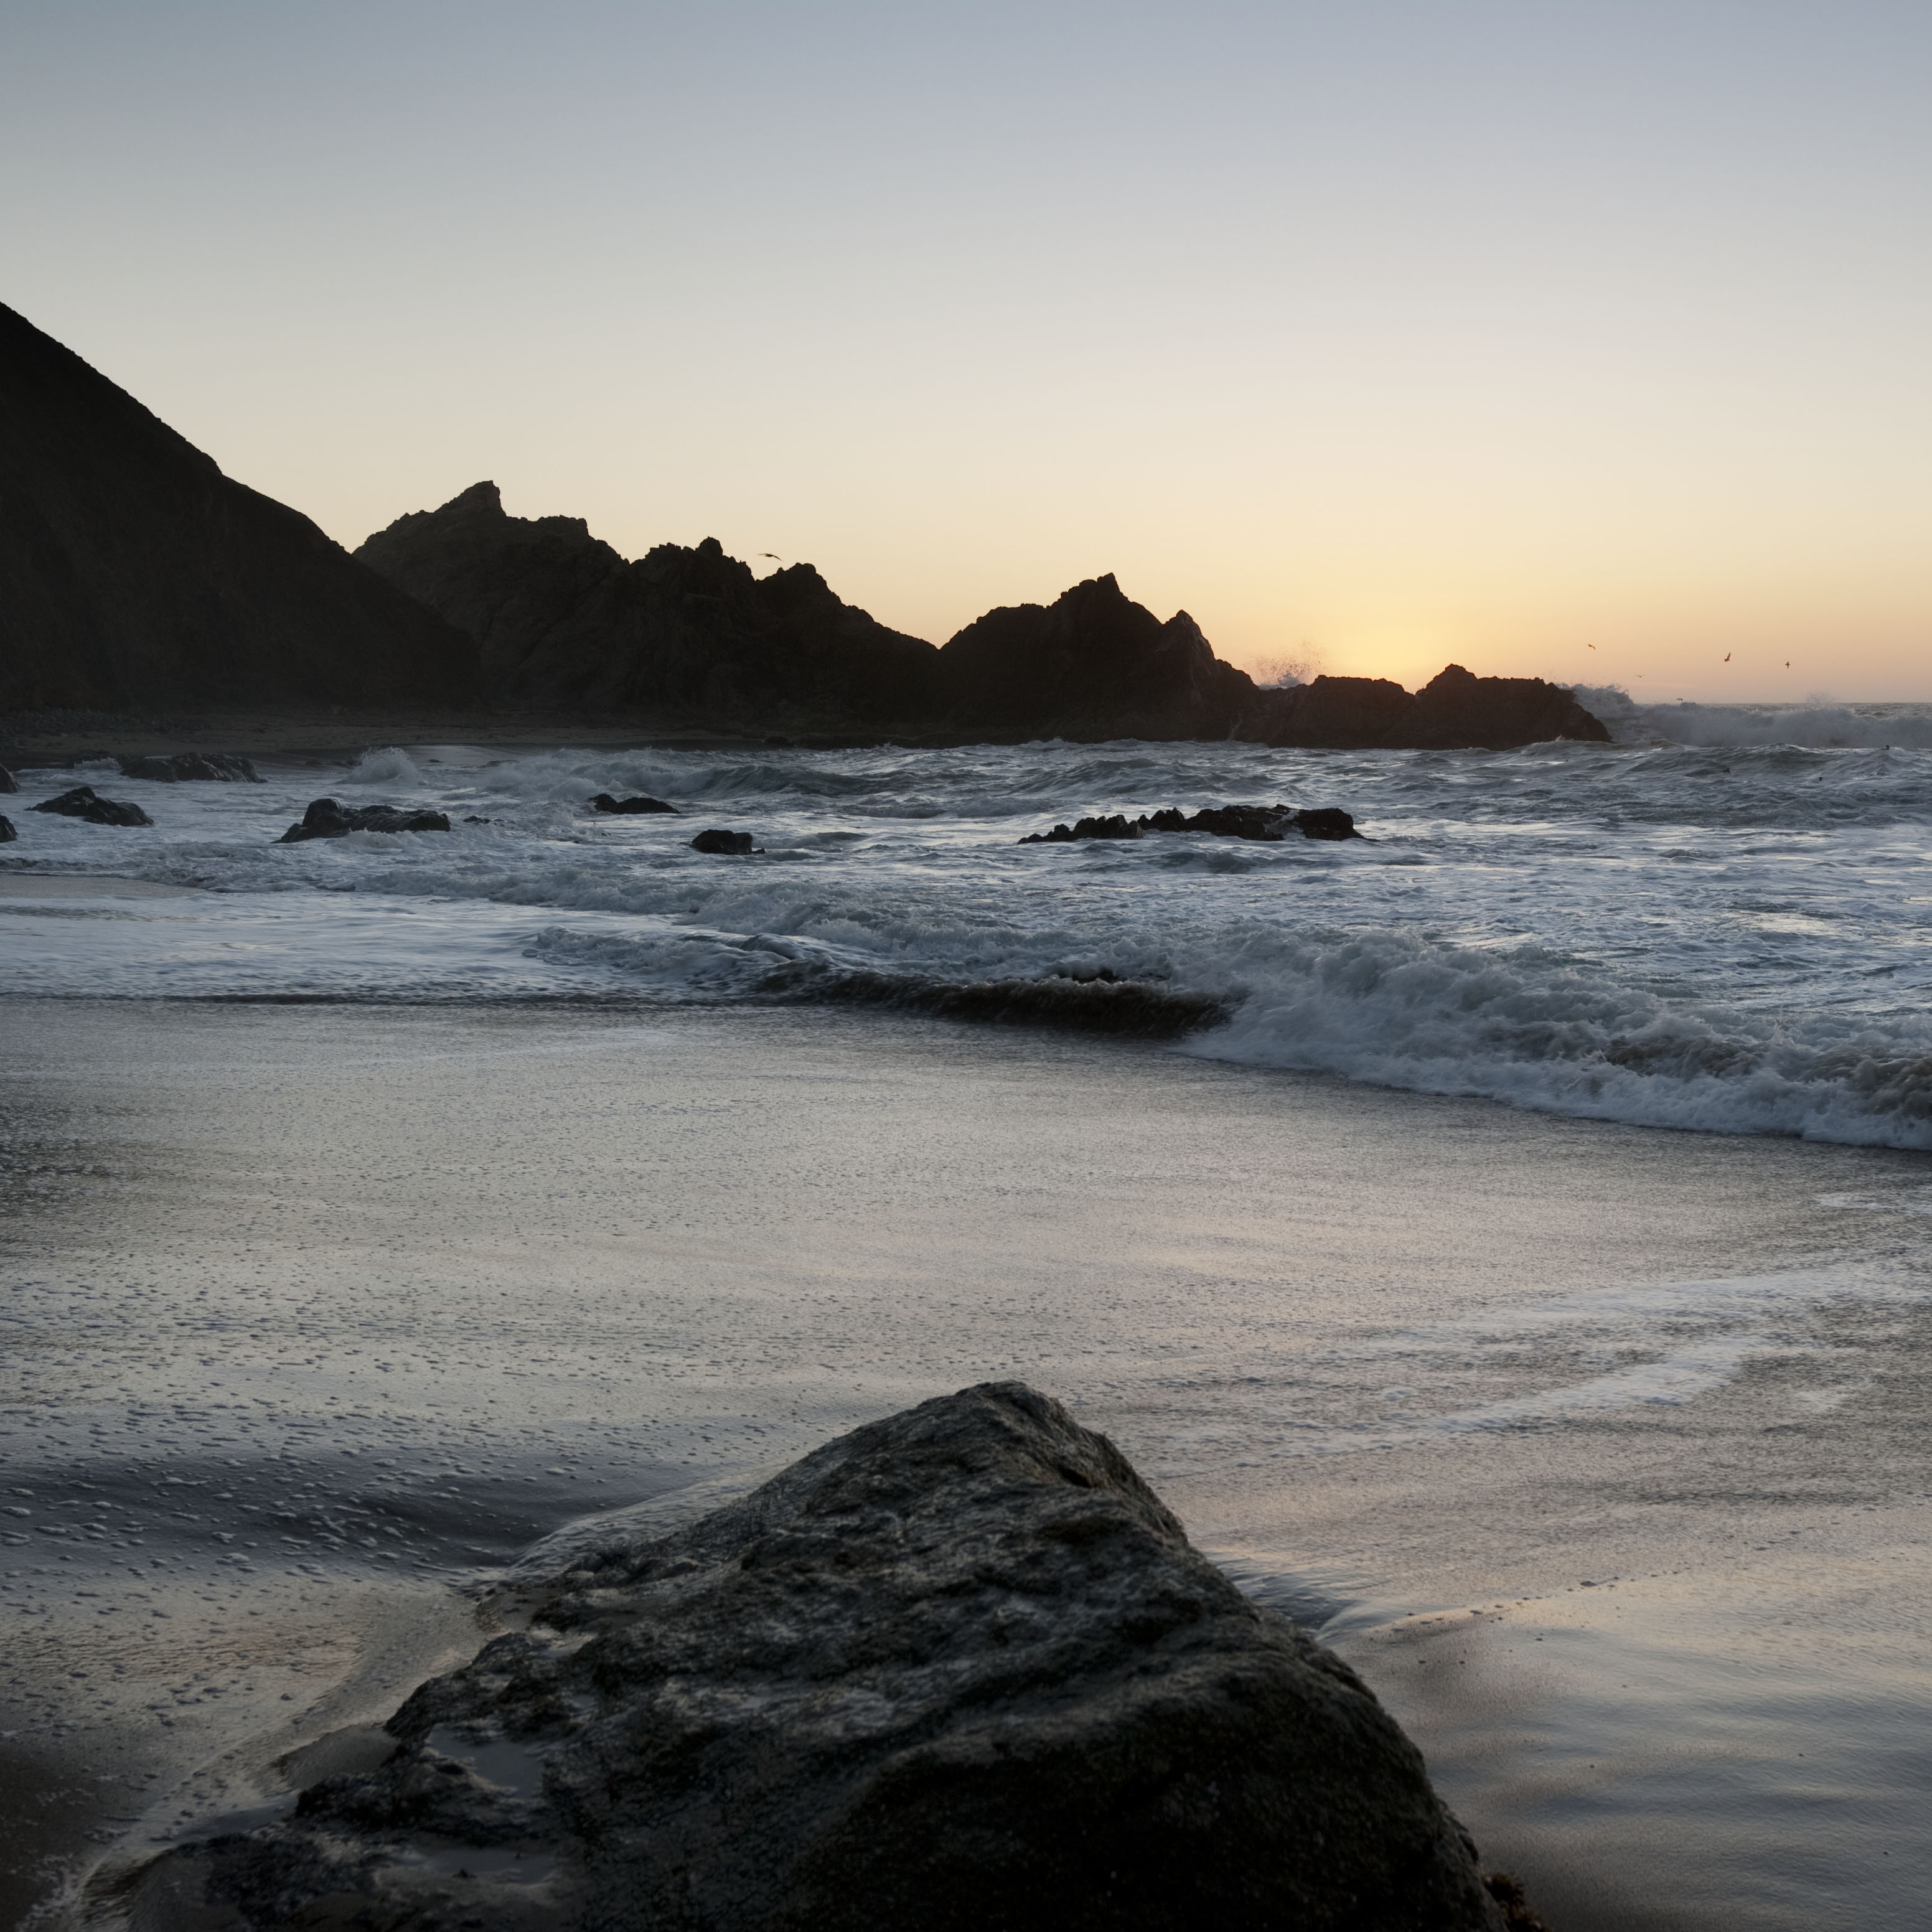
(1727, 657)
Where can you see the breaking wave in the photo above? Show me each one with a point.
(1819, 723)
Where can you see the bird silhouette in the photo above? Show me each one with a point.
(1727, 657)
(773, 554)
(1589, 647)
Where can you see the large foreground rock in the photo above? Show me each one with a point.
(958, 1670)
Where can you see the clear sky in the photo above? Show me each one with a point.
(1379, 334)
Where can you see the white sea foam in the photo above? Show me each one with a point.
(1818, 722)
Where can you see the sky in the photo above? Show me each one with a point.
(1586, 340)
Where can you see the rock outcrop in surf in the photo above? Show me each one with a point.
(134, 573)
(1269, 823)
(326, 819)
(958, 1669)
(84, 801)
(188, 767)
(1455, 711)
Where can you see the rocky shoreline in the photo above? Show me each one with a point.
(958, 1669)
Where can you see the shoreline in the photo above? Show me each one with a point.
(407, 1289)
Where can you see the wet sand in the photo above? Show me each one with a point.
(1599, 1450)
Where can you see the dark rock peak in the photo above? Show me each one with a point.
(132, 571)
(8, 782)
(8, 833)
(958, 1670)
(563, 619)
(1093, 661)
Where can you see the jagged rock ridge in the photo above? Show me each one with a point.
(563, 620)
(134, 572)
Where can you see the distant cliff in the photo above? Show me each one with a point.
(132, 571)
(564, 621)
(1454, 710)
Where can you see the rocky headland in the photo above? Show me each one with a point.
(135, 577)
(133, 572)
(960, 1668)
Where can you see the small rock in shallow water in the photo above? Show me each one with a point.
(177, 767)
(83, 802)
(632, 807)
(730, 845)
(8, 782)
(325, 819)
(1269, 823)
(958, 1670)
(7, 833)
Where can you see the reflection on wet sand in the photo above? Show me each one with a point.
(315, 1313)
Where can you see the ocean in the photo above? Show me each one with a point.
(1502, 1238)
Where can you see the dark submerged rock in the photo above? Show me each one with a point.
(603, 802)
(8, 782)
(83, 802)
(727, 844)
(325, 819)
(179, 767)
(959, 1670)
(1268, 823)
(1117, 826)
(7, 833)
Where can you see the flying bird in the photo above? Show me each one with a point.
(773, 554)
(1727, 657)
(1589, 647)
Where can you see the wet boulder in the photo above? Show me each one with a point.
(724, 844)
(630, 807)
(8, 832)
(1270, 823)
(180, 767)
(1116, 826)
(958, 1670)
(325, 819)
(1264, 822)
(8, 782)
(83, 802)
(1327, 821)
